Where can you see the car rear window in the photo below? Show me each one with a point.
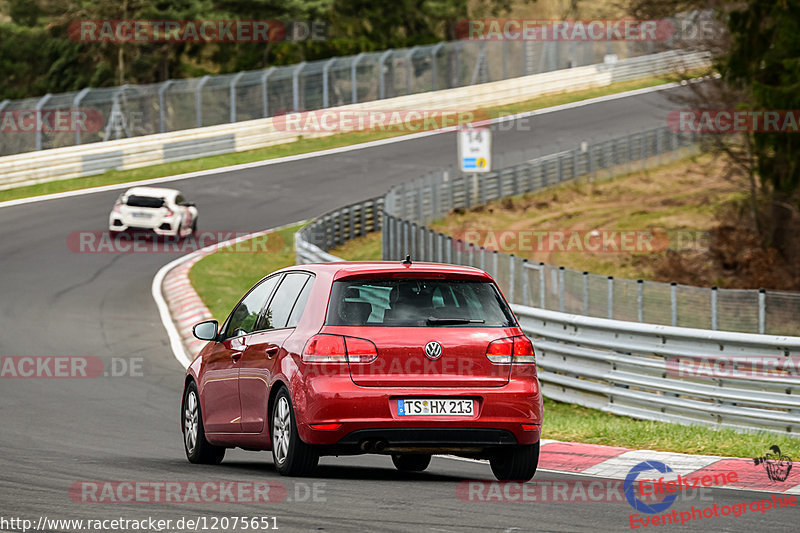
(417, 302)
(145, 201)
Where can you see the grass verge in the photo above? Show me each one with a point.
(302, 146)
(222, 278)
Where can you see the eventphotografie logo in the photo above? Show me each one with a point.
(778, 465)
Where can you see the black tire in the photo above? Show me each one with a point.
(198, 449)
(194, 226)
(411, 463)
(515, 464)
(292, 456)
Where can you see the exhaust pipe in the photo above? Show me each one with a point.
(380, 446)
(367, 446)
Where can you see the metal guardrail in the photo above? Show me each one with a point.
(180, 104)
(665, 373)
(122, 154)
(604, 359)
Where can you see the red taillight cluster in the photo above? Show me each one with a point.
(511, 350)
(117, 208)
(169, 212)
(324, 348)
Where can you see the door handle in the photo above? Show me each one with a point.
(236, 356)
(271, 352)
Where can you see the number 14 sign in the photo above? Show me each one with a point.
(475, 149)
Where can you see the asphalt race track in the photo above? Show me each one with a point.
(55, 302)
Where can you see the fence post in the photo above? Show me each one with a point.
(714, 315)
(440, 247)
(640, 299)
(409, 64)
(585, 293)
(354, 77)
(75, 103)
(525, 296)
(762, 311)
(542, 300)
(434, 66)
(325, 69)
(511, 268)
(296, 85)
(610, 297)
(264, 100)
(561, 289)
(382, 80)
(232, 95)
(198, 100)
(385, 237)
(673, 302)
(39, 105)
(495, 267)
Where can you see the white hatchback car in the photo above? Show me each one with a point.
(162, 211)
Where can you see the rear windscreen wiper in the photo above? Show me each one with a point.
(442, 321)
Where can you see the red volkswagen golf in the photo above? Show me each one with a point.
(402, 359)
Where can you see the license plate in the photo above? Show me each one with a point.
(141, 215)
(437, 407)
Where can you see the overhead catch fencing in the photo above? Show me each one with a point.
(630, 347)
(102, 114)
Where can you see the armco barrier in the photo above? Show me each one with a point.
(648, 371)
(122, 154)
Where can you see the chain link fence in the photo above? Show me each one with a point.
(410, 206)
(133, 110)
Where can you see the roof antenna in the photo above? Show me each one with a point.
(407, 260)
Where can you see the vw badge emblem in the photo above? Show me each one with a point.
(433, 350)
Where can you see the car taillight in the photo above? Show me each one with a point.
(169, 212)
(511, 350)
(324, 348)
(360, 350)
(117, 209)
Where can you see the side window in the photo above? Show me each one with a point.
(244, 316)
(280, 307)
(300, 304)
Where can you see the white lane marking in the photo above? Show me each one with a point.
(619, 466)
(175, 339)
(334, 151)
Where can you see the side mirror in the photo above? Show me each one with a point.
(206, 331)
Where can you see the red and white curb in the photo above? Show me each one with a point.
(179, 305)
(181, 308)
(613, 462)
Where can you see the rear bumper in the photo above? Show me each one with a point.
(155, 226)
(369, 414)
